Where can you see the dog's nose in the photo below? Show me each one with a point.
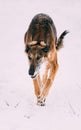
(31, 70)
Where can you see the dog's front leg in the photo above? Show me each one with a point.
(37, 86)
(45, 76)
(49, 81)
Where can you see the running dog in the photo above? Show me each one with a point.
(41, 44)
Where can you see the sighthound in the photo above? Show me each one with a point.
(41, 44)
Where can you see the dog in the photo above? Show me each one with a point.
(41, 45)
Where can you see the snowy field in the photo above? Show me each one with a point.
(18, 109)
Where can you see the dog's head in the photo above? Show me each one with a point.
(36, 56)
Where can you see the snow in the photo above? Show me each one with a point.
(18, 109)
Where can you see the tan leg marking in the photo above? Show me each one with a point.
(36, 87)
(45, 76)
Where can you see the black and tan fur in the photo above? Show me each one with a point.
(41, 45)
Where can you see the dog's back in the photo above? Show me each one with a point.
(42, 29)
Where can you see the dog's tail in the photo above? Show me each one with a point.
(59, 43)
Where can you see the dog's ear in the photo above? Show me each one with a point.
(46, 48)
(25, 38)
(27, 48)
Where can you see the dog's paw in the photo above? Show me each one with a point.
(41, 101)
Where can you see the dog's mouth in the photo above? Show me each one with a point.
(33, 76)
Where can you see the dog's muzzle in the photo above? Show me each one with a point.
(33, 71)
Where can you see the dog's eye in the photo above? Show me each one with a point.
(38, 57)
(29, 57)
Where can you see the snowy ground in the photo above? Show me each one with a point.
(18, 109)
